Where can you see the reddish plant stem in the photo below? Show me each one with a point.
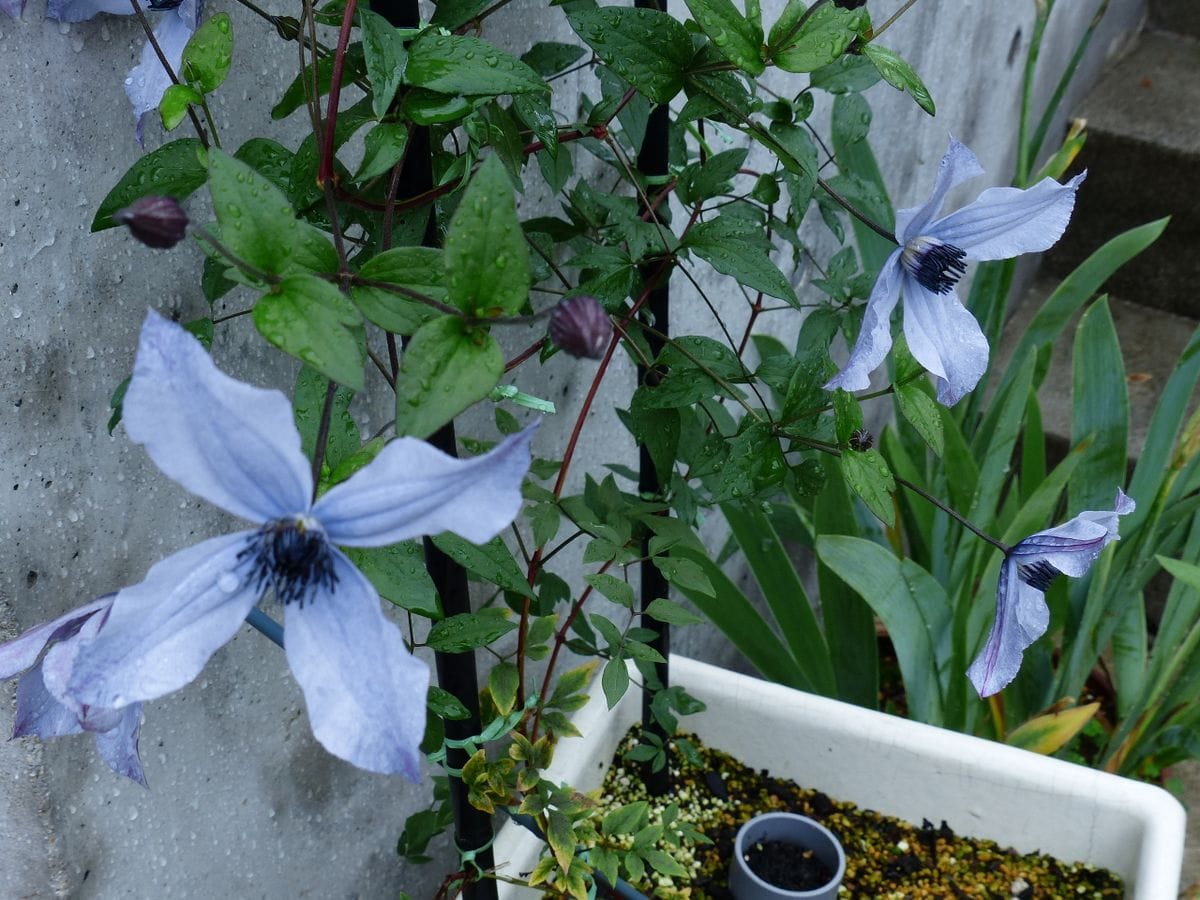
(523, 355)
(325, 174)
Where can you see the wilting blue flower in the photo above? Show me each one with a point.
(941, 333)
(1028, 569)
(13, 8)
(236, 446)
(147, 81)
(43, 707)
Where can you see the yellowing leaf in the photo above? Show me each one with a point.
(1048, 733)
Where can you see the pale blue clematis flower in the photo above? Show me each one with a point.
(236, 446)
(941, 333)
(43, 707)
(148, 80)
(1028, 569)
(13, 8)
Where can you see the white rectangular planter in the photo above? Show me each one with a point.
(898, 767)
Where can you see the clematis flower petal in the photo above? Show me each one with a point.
(958, 165)
(82, 10)
(1021, 618)
(1021, 611)
(22, 652)
(944, 337)
(364, 691)
(411, 488)
(875, 336)
(231, 443)
(160, 633)
(13, 8)
(118, 746)
(1005, 222)
(148, 80)
(38, 713)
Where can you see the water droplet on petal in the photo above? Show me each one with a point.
(228, 582)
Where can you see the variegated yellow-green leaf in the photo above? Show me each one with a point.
(1049, 732)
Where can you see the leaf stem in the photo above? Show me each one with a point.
(962, 520)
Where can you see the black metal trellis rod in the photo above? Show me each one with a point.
(653, 160)
(456, 672)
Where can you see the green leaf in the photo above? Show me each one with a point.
(257, 222)
(672, 613)
(899, 74)
(493, 562)
(549, 57)
(503, 681)
(685, 574)
(615, 681)
(738, 40)
(919, 409)
(1100, 408)
(308, 404)
(821, 39)
(174, 104)
(868, 475)
(297, 92)
(783, 591)
(399, 575)
(269, 158)
(729, 609)
(208, 54)
(469, 66)
(384, 146)
(446, 368)
(469, 631)
(418, 269)
(173, 170)
(648, 48)
(486, 256)
(846, 74)
(385, 56)
(735, 248)
(312, 320)
(913, 607)
(445, 705)
(625, 819)
(613, 588)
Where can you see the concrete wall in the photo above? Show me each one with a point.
(242, 801)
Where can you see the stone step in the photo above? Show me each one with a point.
(1179, 16)
(1143, 160)
(1151, 342)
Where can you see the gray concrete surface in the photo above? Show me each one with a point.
(242, 802)
(1143, 161)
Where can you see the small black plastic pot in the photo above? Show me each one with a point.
(787, 828)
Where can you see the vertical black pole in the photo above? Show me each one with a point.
(456, 672)
(652, 160)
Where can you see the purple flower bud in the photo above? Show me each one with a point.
(581, 327)
(155, 221)
(849, 4)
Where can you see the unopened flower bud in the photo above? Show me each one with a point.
(581, 327)
(155, 221)
(861, 440)
(849, 4)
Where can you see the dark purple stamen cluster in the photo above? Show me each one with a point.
(1038, 574)
(290, 559)
(938, 266)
